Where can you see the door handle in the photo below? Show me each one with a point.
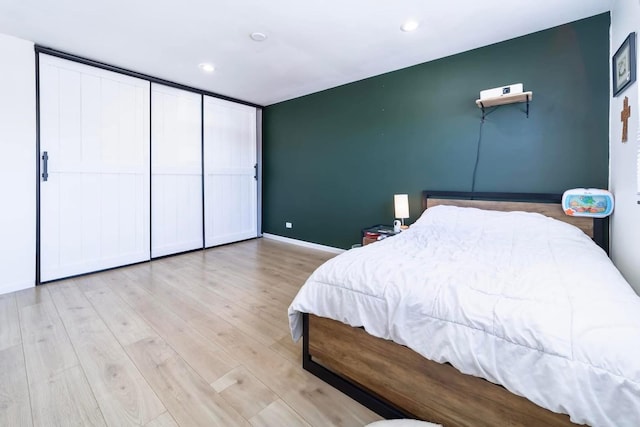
(255, 171)
(45, 166)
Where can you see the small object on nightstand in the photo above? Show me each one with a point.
(377, 232)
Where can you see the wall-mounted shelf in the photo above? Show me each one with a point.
(505, 99)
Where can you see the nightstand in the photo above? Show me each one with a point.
(376, 232)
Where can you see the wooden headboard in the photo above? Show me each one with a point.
(545, 204)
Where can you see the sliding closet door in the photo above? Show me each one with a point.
(176, 171)
(95, 197)
(230, 172)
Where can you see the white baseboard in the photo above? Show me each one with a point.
(303, 243)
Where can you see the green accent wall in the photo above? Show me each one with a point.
(333, 160)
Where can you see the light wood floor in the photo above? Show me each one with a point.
(199, 339)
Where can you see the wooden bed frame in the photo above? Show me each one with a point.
(397, 382)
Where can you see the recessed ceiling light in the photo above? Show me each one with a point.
(206, 67)
(258, 37)
(409, 25)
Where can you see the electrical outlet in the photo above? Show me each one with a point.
(288, 225)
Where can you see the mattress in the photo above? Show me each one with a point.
(517, 298)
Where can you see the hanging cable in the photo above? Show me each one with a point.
(475, 167)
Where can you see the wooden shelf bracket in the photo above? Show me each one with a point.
(503, 100)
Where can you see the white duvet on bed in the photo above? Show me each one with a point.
(520, 299)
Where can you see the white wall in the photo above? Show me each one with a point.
(17, 164)
(625, 222)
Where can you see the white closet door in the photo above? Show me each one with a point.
(176, 171)
(231, 196)
(94, 126)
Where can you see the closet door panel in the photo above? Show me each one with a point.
(176, 171)
(95, 203)
(230, 172)
(91, 229)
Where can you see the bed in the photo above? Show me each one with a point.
(565, 335)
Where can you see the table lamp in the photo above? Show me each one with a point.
(401, 207)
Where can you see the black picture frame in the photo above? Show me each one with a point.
(623, 65)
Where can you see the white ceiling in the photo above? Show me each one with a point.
(311, 45)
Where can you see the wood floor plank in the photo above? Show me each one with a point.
(9, 322)
(237, 289)
(269, 260)
(220, 331)
(249, 322)
(31, 296)
(288, 349)
(47, 348)
(268, 366)
(93, 282)
(189, 399)
(315, 397)
(122, 393)
(209, 359)
(15, 406)
(278, 414)
(65, 399)
(171, 297)
(257, 271)
(164, 420)
(189, 301)
(244, 392)
(123, 321)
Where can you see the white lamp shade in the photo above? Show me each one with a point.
(401, 205)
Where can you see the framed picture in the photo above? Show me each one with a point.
(623, 65)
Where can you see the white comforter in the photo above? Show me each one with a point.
(517, 298)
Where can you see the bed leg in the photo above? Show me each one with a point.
(306, 358)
